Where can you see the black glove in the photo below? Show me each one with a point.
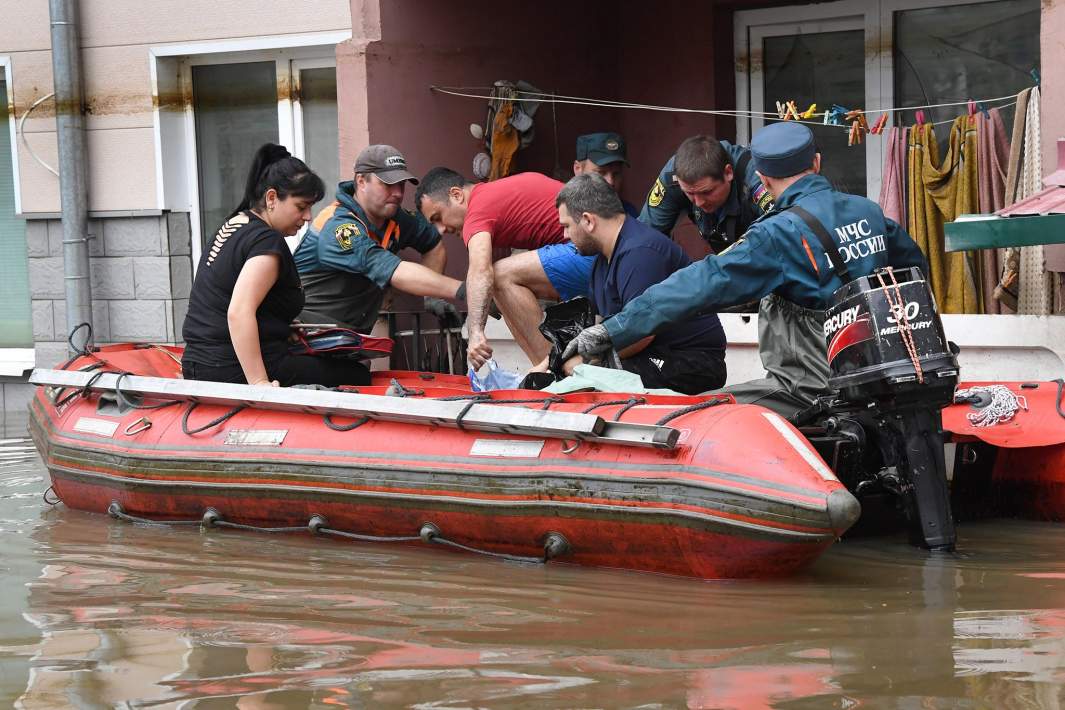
(444, 310)
(589, 342)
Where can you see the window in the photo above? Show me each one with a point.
(954, 50)
(16, 327)
(220, 100)
(239, 102)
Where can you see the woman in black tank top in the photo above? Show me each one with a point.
(247, 289)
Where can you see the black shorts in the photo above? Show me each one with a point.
(686, 371)
(288, 370)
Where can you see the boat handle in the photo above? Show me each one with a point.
(142, 424)
(570, 448)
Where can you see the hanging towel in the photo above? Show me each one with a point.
(893, 186)
(992, 157)
(1036, 295)
(1009, 282)
(939, 192)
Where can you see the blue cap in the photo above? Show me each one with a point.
(601, 148)
(783, 149)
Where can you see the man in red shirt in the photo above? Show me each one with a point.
(516, 212)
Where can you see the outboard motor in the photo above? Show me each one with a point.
(893, 367)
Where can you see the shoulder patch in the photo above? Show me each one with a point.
(762, 198)
(658, 193)
(345, 233)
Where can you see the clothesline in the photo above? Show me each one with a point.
(543, 97)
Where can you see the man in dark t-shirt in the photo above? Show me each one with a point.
(687, 357)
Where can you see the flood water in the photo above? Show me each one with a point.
(100, 613)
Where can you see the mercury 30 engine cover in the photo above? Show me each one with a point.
(885, 339)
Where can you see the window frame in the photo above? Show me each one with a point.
(14, 361)
(878, 19)
(177, 169)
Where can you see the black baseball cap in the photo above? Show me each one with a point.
(386, 162)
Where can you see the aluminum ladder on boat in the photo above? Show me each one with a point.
(478, 416)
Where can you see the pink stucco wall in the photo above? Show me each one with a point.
(1052, 61)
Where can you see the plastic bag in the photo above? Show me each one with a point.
(495, 379)
(562, 322)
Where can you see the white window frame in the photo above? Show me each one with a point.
(178, 184)
(14, 361)
(877, 17)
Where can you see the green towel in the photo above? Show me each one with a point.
(603, 379)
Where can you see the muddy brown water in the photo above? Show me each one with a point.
(99, 613)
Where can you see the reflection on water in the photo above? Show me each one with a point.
(99, 613)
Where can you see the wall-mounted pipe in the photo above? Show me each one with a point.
(73, 182)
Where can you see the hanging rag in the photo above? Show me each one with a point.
(893, 187)
(1036, 292)
(992, 155)
(505, 140)
(1008, 287)
(938, 193)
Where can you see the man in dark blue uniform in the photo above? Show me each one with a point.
(784, 256)
(630, 258)
(605, 155)
(714, 183)
(350, 253)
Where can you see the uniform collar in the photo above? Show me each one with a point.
(806, 185)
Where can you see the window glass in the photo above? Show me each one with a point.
(16, 327)
(807, 68)
(962, 52)
(235, 106)
(318, 104)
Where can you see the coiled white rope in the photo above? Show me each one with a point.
(1003, 407)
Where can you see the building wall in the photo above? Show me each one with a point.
(1052, 86)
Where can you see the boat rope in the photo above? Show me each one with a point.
(1057, 400)
(126, 401)
(629, 404)
(50, 501)
(1000, 404)
(689, 409)
(83, 391)
(898, 308)
(554, 546)
(214, 422)
(328, 419)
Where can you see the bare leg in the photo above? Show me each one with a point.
(519, 281)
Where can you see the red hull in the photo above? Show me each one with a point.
(742, 495)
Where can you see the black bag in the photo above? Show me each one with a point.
(562, 322)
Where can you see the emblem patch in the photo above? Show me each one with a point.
(611, 145)
(345, 233)
(658, 193)
(763, 198)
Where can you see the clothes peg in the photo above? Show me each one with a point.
(982, 109)
(878, 127)
(782, 111)
(793, 112)
(1035, 75)
(920, 118)
(809, 113)
(972, 108)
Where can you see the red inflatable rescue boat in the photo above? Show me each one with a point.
(694, 486)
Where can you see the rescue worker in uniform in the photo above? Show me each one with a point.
(783, 256)
(350, 253)
(714, 183)
(604, 154)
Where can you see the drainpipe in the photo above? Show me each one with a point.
(73, 188)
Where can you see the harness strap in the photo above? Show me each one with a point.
(829, 245)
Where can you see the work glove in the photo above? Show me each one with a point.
(589, 342)
(444, 310)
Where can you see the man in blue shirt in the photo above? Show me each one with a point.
(604, 154)
(784, 256)
(714, 183)
(631, 257)
(350, 252)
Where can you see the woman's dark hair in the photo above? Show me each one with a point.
(274, 167)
